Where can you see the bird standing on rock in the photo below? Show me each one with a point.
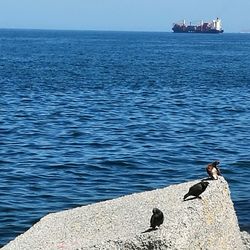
(197, 189)
(157, 218)
(213, 170)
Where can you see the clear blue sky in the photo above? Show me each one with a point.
(134, 15)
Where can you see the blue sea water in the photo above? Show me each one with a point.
(91, 116)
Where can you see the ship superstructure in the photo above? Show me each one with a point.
(204, 27)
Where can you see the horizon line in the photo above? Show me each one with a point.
(103, 30)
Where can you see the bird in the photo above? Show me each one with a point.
(213, 170)
(157, 218)
(197, 189)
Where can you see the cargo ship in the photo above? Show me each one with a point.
(204, 27)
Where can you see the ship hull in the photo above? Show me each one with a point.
(213, 27)
(196, 31)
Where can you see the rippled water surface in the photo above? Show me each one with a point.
(90, 116)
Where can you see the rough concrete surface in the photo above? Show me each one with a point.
(207, 223)
(246, 239)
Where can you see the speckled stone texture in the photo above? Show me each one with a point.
(207, 223)
(246, 239)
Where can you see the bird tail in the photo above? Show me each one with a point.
(185, 196)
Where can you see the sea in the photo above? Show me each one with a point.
(87, 116)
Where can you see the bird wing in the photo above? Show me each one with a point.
(209, 170)
(195, 190)
(152, 221)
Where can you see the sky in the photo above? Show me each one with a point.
(122, 15)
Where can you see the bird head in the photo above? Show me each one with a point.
(215, 163)
(156, 210)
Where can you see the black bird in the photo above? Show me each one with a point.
(157, 218)
(197, 189)
(213, 170)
